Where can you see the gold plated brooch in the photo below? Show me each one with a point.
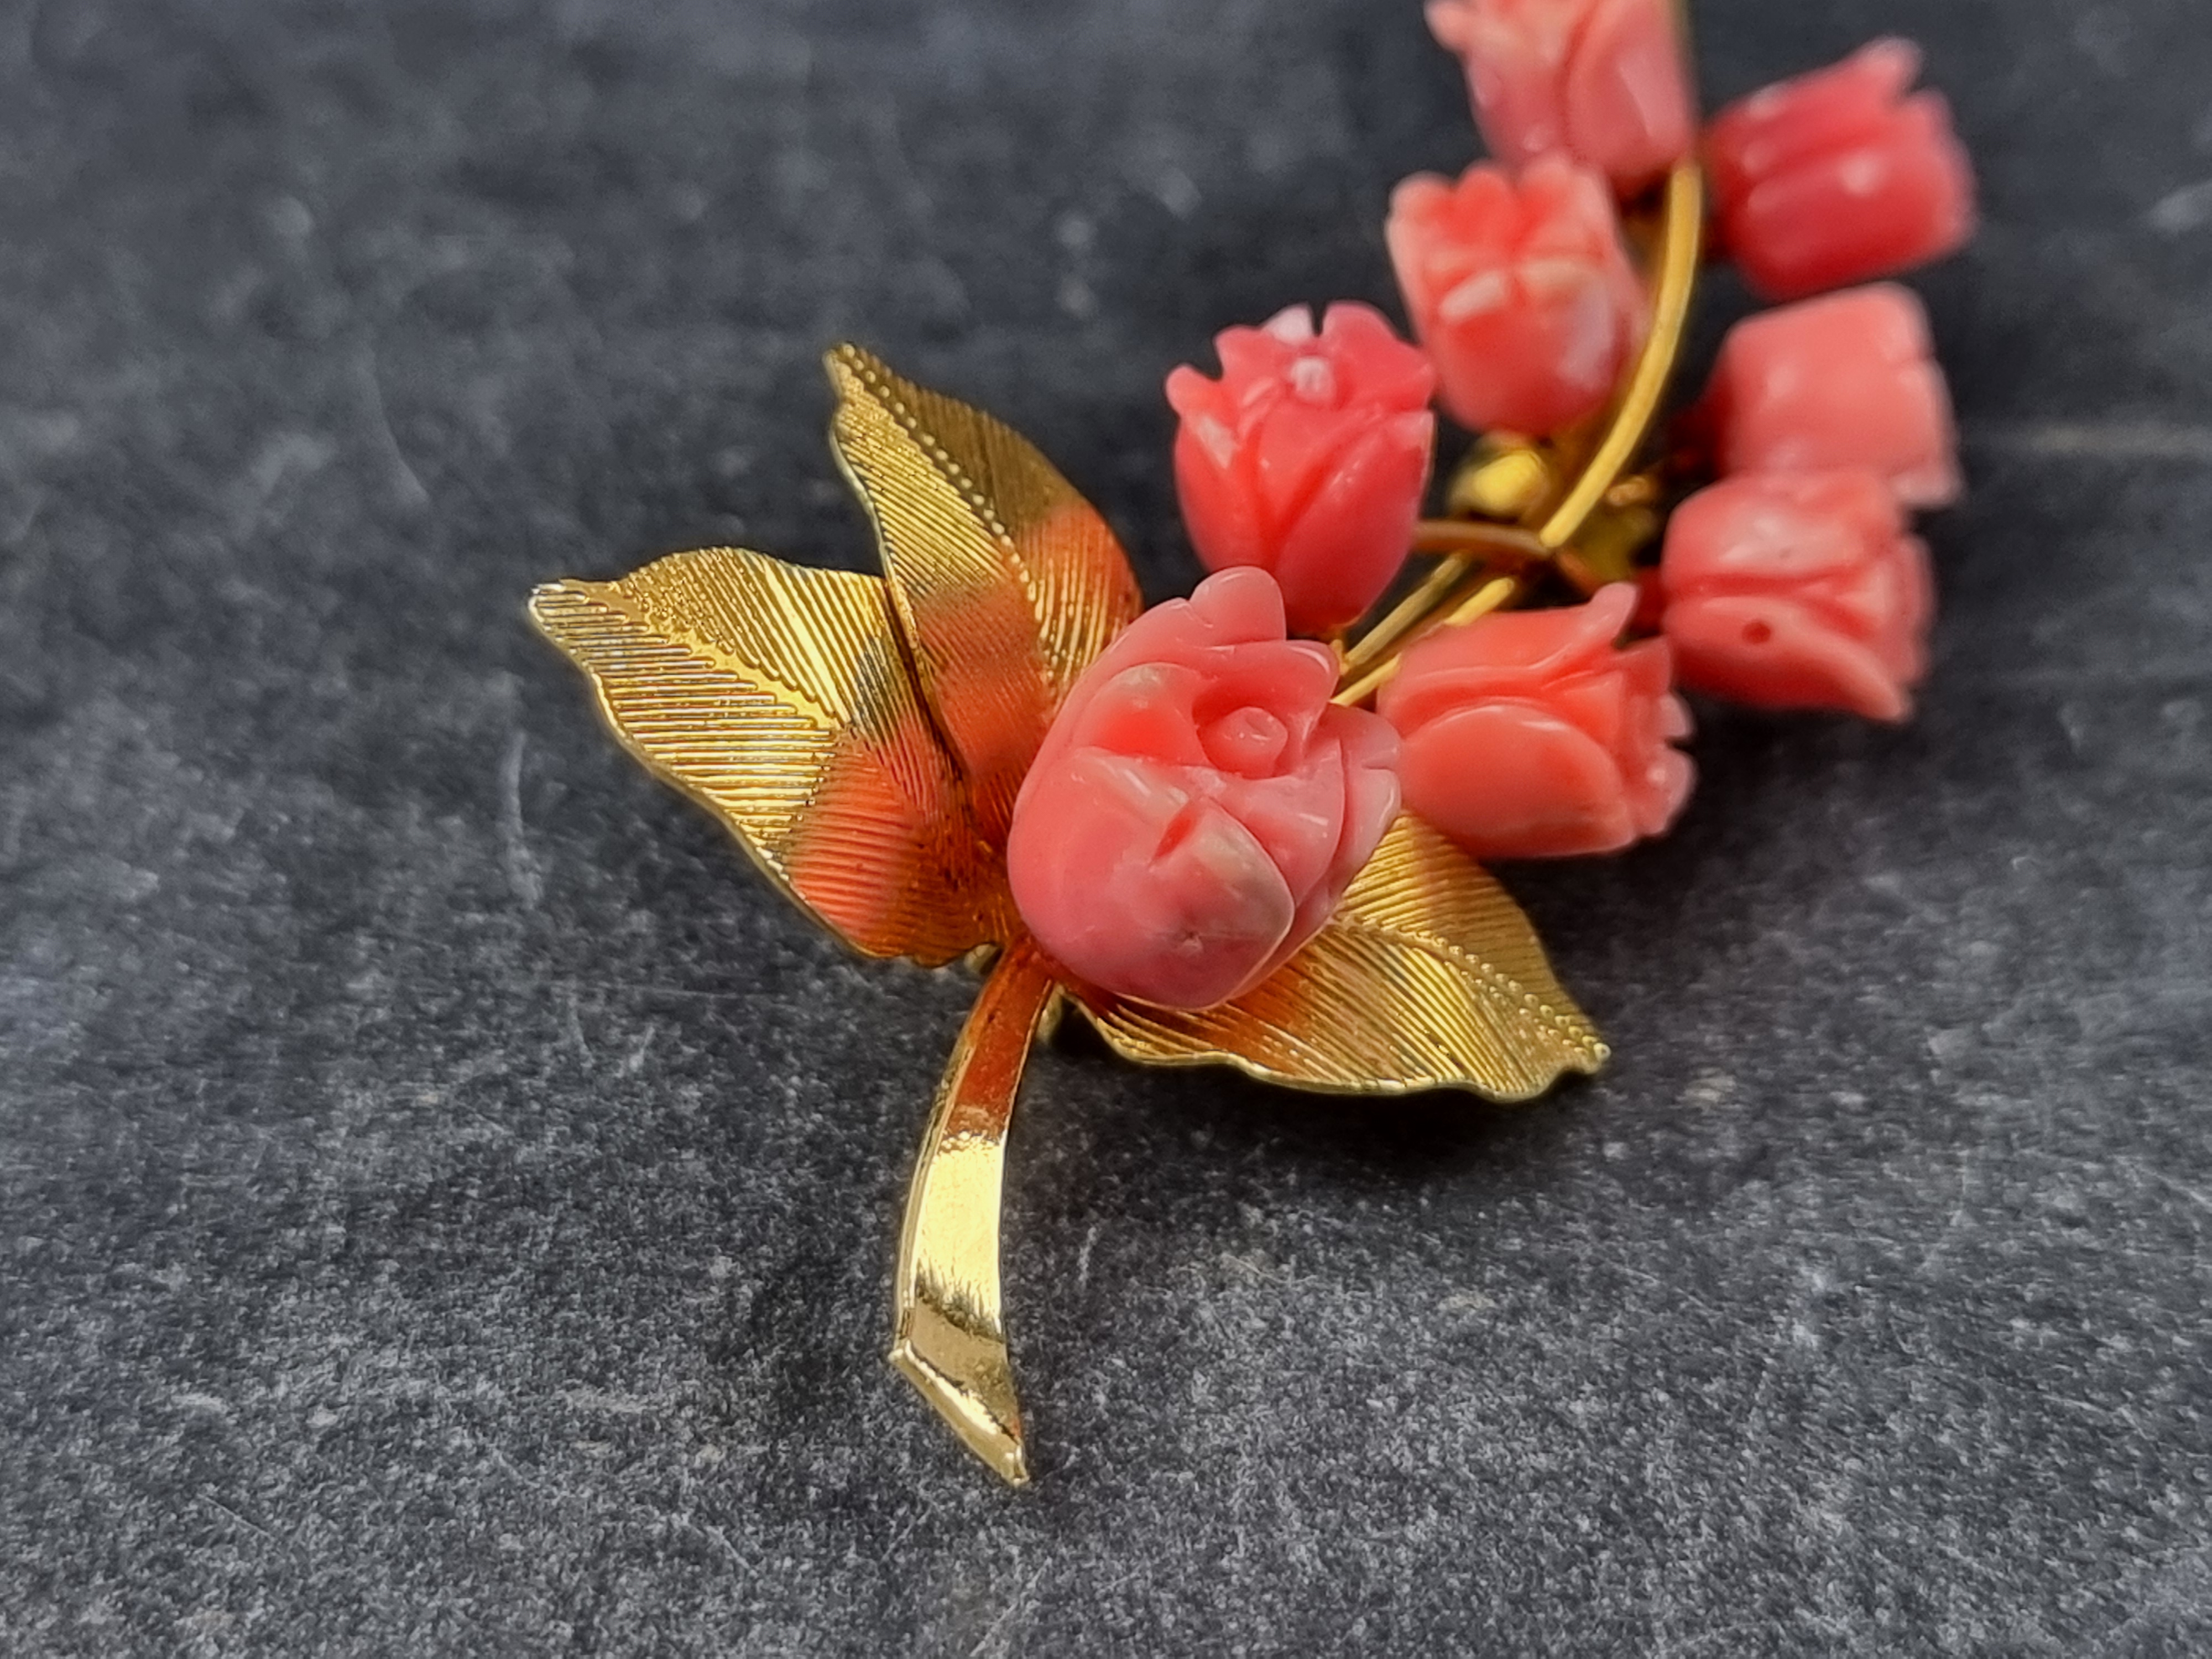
(1223, 844)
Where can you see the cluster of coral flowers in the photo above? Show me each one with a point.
(1203, 803)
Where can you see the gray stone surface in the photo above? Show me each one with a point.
(447, 1202)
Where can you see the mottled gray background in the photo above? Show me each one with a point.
(447, 1202)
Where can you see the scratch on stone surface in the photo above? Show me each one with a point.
(573, 1017)
(999, 1637)
(1755, 1429)
(2202, 1201)
(618, 1405)
(2098, 440)
(627, 988)
(225, 1510)
(1083, 1257)
(634, 1061)
(523, 876)
(1958, 1218)
(728, 1548)
(882, 123)
(407, 484)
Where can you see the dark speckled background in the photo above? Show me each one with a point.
(446, 1201)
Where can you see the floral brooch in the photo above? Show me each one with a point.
(1247, 827)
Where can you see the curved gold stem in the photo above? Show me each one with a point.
(949, 1339)
(1494, 595)
(1682, 240)
(1681, 245)
(1470, 544)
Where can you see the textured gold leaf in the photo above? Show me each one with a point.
(1007, 582)
(780, 697)
(1429, 977)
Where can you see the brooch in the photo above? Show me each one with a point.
(1248, 828)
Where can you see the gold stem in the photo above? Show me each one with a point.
(1470, 545)
(1496, 596)
(950, 1340)
(1444, 588)
(1681, 240)
(1501, 543)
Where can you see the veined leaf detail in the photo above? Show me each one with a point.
(780, 698)
(1429, 977)
(1006, 581)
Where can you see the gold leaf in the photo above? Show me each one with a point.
(781, 699)
(1428, 976)
(1006, 581)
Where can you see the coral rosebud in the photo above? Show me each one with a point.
(1530, 734)
(1308, 458)
(1199, 806)
(1799, 591)
(1523, 293)
(1600, 80)
(1849, 381)
(1837, 176)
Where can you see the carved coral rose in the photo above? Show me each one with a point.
(1200, 806)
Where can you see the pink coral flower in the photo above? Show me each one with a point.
(1847, 380)
(1308, 457)
(1799, 591)
(1837, 176)
(1600, 80)
(1529, 734)
(1200, 806)
(1523, 293)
